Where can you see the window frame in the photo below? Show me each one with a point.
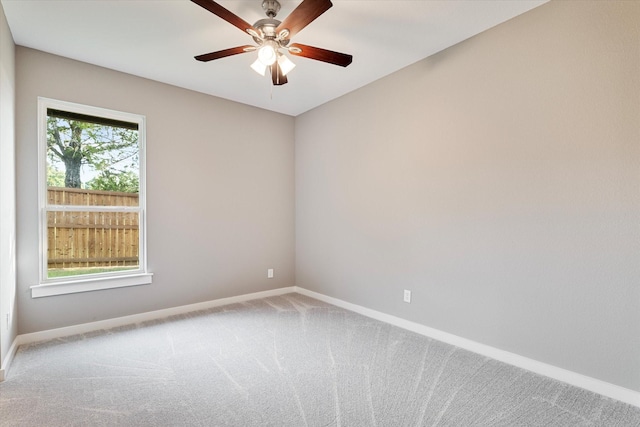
(89, 282)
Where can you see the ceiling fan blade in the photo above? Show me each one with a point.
(303, 15)
(224, 53)
(320, 54)
(277, 77)
(225, 14)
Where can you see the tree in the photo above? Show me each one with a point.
(106, 149)
(127, 181)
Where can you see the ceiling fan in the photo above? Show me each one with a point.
(272, 36)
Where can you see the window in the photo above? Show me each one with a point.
(91, 199)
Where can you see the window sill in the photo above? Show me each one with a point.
(88, 285)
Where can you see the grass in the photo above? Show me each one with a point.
(66, 272)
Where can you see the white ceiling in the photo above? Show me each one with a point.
(158, 39)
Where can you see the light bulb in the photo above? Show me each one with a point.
(285, 64)
(267, 53)
(259, 67)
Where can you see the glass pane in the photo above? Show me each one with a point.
(81, 243)
(91, 161)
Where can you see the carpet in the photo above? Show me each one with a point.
(282, 361)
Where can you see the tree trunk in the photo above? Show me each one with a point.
(72, 173)
(73, 158)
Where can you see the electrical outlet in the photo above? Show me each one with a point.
(407, 296)
(270, 273)
(7, 321)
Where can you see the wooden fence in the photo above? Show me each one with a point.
(91, 239)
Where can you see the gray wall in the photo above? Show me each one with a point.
(220, 194)
(499, 180)
(8, 324)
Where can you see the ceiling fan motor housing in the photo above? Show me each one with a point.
(267, 28)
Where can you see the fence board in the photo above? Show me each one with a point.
(92, 239)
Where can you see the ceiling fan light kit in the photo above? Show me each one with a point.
(285, 64)
(259, 67)
(273, 36)
(267, 53)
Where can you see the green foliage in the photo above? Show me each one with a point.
(109, 151)
(55, 177)
(126, 181)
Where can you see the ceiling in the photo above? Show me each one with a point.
(157, 39)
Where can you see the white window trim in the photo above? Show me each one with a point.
(68, 285)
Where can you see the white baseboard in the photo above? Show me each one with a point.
(142, 317)
(588, 383)
(6, 363)
(613, 391)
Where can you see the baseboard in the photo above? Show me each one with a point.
(142, 317)
(588, 383)
(6, 363)
(613, 391)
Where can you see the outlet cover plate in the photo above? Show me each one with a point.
(407, 296)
